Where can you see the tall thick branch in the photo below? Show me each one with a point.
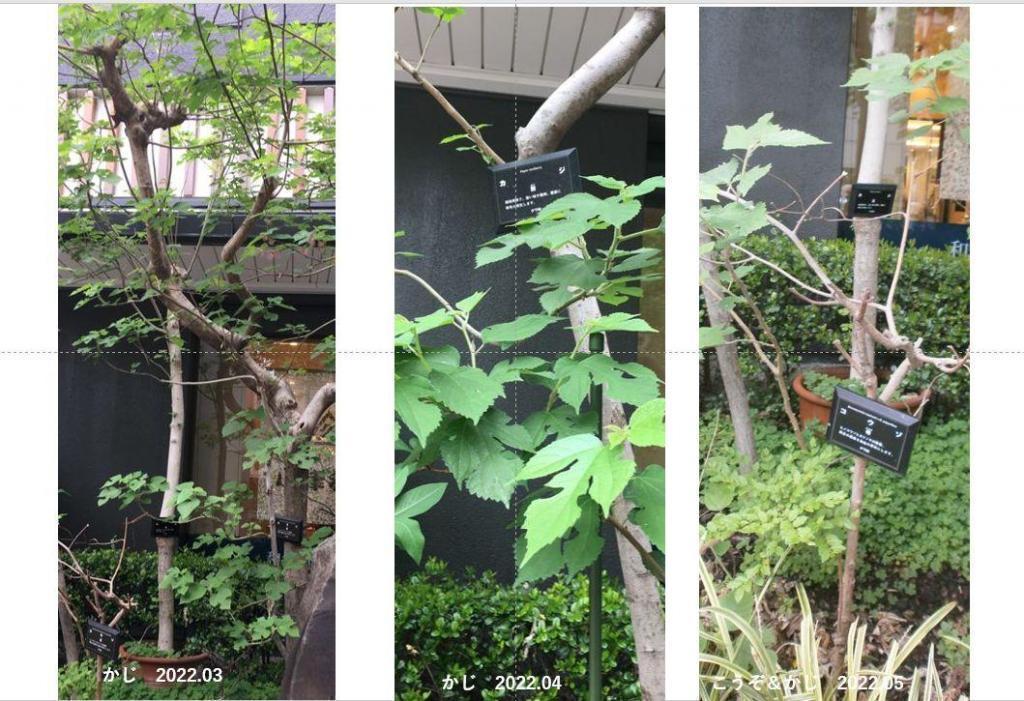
(140, 121)
(315, 410)
(590, 82)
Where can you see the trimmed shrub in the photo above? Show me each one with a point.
(932, 302)
(475, 626)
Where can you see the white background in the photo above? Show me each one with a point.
(28, 330)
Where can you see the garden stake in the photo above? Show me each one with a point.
(594, 654)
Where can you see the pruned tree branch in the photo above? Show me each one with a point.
(588, 84)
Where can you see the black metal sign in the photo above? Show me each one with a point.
(102, 639)
(870, 429)
(163, 529)
(872, 200)
(288, 530)
(522, 188)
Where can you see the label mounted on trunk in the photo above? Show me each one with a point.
(872, 199)
(158, 528)
(102, 639)
(288, 530)
(872, 430)
(523, 188)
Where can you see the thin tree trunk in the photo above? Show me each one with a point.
(541, 135)
(729, 364)
(865, 288)
(67, 626)
(165, 546)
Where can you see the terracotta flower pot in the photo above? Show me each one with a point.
(815, 408)
(147, 668)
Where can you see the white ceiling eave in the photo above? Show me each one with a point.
(526, 51)
(538, 86)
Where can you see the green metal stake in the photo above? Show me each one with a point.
(594, 654)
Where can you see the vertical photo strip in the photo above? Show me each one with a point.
(835, 324)
(529, 354)
(196, 373)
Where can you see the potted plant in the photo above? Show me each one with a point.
(160, 668)
(815, 388)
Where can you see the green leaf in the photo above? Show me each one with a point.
(647, 492)
(581, 448)
(581, 550)
(467, 305)
(445, 14)
(547, 520)
(647, 424)
(642, 188)
(520, 329)
(547, 562)
(711, 336)
(467, 391)
(764, 133)
(719, 177)
(410, 537)
(496, 479)
(611, 473)
(618, 321)
(421, 417)
(736, 219)
(718, 495)
(750, 178)
(419, 500)
(605, 182)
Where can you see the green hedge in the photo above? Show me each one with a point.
(932, 302)
(474, 625)
(202, 624)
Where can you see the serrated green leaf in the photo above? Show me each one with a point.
(467, 391)
(419, 416)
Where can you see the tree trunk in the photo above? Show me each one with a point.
(175, 435)
(541, 135)
(865, 288)
(729, 364)
(67, 625)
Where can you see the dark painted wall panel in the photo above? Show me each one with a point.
(790, 61)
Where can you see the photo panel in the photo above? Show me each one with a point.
(835, 328)
(196, 226)
(529, 352)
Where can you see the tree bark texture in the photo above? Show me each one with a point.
(867, 233)
(175, 436)
(72, 653)
(541, 135)
(729, 364)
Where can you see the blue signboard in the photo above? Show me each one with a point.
(954, 238)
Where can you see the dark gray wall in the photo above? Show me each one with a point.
(111, 422)
(790, 61)
(444, 203)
